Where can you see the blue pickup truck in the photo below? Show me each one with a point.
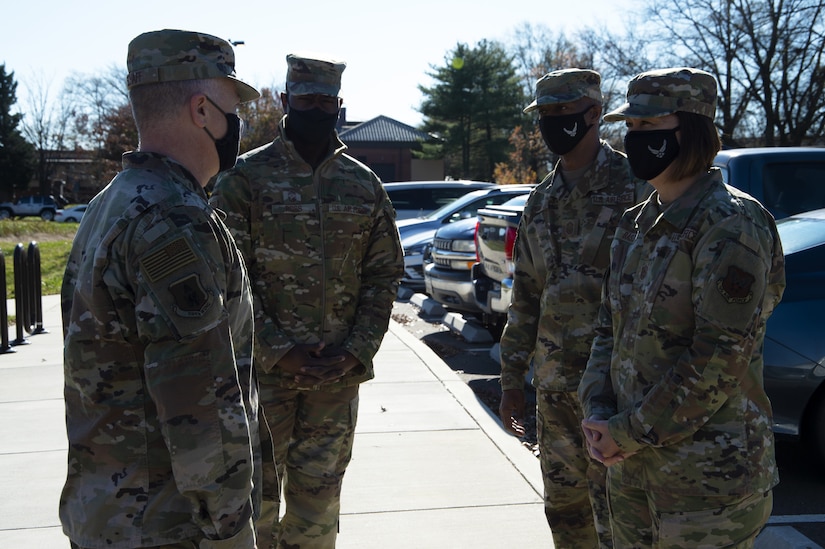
(787, 180)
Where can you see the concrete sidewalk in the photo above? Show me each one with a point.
(431, 466)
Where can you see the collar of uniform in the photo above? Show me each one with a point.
(139, 160)
(599, 172)
(680, 212)
(595, 177)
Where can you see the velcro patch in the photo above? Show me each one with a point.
(736, 286)
(168, 259)
(191, 299)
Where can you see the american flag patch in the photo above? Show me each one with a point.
(160, 264)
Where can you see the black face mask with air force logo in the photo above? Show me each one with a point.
(563, 133)
(651, 152)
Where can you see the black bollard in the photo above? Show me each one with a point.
(35, 289)
(20, 291)
(5, 347)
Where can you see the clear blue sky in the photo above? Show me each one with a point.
(389, 45)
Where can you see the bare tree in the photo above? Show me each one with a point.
(766, 56)
(95, 99)
(261, 118)
(785, 62)
(45, 124)
(538, 49)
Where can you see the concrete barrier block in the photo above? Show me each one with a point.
(468, 330)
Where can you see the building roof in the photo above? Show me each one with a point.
(382, 129)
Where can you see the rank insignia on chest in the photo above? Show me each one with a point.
(735, 287)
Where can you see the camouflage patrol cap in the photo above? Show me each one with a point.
(170, 55)
(666, 91)
(566, 85)
(308, 74)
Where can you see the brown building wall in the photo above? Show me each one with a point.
(391, 164)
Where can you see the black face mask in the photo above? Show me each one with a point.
(650, 153)
(311, 126)
(563, 133)
(229, 145)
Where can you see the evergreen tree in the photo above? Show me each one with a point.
(474, 105)
(17, 158)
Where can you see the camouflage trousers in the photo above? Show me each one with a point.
(660, 519)
(245, 539)
(312, 437)
(575, 500)
(203, 543)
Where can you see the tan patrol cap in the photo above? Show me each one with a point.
(169, 55)
(311, 74)
(566, 85)
(665, 91)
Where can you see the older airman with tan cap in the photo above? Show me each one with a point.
(161, 406)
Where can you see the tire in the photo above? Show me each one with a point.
(47, 215)
(5, 214)
(70, 220)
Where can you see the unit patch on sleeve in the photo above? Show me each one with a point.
(191, 299)
(735, 287)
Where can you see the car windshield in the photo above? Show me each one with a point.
(520, 200)
(799, 234)
(456, 204)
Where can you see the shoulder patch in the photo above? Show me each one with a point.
(167, 260)
(735, 287)
(191, 299)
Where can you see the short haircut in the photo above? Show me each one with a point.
(153, 104)
(698, 145)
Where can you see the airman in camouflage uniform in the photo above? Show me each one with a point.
(560, 260)
(318, 233)
(161, 406)
(673, 388)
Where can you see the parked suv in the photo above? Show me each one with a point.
(43, 207)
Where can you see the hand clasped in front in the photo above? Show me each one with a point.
(600, 444)
(316, 364)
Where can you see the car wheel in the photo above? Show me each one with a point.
(5, 214)
(70, 220)
(815, 433)
(47, 215)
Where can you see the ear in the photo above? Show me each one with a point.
(198, 110)
(595, 113)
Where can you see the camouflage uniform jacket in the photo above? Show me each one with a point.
(562, 253)
(676, 364)
(160, 401)
(322, 249)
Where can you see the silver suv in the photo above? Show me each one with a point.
(43, 207)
